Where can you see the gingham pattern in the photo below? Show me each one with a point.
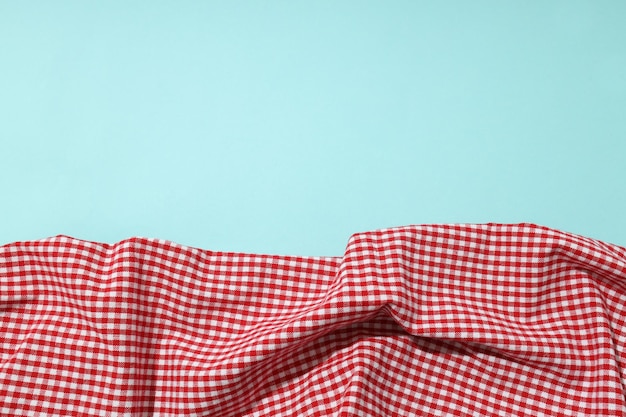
(487, 320)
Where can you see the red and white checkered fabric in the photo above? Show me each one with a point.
(488, 320)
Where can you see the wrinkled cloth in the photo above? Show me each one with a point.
(489, 319)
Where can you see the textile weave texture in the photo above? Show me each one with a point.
(488, 319)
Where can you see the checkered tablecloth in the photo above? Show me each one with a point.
(483, 320)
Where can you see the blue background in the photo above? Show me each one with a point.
(286, 126)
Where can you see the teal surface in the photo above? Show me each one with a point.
(286, 126)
